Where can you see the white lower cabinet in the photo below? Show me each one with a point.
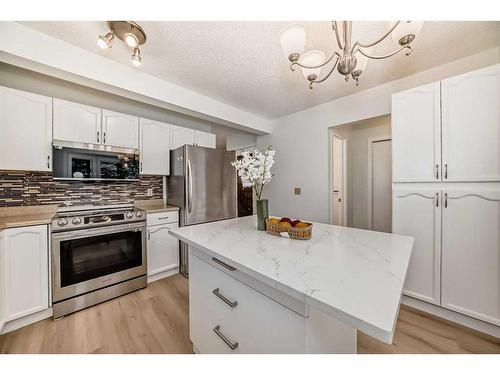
(246, 321)
(417, 213)
(163, 248)
(471, 253)
(24, 271)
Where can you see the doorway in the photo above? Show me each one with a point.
(339, 181)
(379, 184)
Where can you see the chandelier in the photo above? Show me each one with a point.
(129, 32)
(352, 56)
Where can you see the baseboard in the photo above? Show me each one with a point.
(464, 320)
(162, 275)
(27, 320)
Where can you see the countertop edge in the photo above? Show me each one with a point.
(367, 328)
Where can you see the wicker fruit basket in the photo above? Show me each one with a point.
(293, 232)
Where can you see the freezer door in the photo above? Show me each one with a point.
(210, 185)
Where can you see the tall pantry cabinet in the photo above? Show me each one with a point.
(446, 190)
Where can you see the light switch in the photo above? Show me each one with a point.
(297, 191)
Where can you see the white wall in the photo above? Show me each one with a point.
(302, 143)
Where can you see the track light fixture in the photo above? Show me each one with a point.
(127, 31)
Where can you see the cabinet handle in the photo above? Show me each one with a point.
(149, 234)
(98, 138)
(437, 199)
(437, 171)
(224, 338)
(230, 268)
(48, 161)
(141, 166)
(445, 200)
(224, 299)
(104, 137)
(446, 171)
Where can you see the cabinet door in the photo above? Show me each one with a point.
(205, 139)
(416, 134)
(471, 126)
(417, 213)
(25, 270)
(25, 131)
(155, 147)
(163, 249)
(119, 129)
(76, 122)
(471, 253)
(181, 136)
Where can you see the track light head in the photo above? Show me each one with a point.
(136, 57)
(104, 41)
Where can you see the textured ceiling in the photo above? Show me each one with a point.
(241, 63)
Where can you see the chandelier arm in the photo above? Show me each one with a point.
(328, 75)
(385, 56)
(292, 65)
(366, 45)
(337, 36)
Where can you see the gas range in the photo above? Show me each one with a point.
(73, 218)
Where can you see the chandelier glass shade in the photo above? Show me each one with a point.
(350, 57)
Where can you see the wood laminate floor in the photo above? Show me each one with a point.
(155, 320)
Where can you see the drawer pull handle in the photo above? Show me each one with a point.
(225, 265)
(163, 218)
(232, 304)
(224, 338)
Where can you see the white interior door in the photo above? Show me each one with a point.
(417, 213)
(471, 253)
(338, 181)
(381, 185)
(471, 126)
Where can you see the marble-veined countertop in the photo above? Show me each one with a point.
(354, 275)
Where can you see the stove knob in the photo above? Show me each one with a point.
(104, 218)
(62, 222)
(76, 220)
(129, 215)
(138, 214)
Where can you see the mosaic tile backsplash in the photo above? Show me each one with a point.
(38, 188)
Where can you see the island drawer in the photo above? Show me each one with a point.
(163, 218)
(294, 304)
(240, 314)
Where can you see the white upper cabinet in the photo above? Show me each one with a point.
(25, 131)
(204, 139)
(76, 122)
(180, 136)
(119, 129)
(471, 126)
(417, 213)
(154, 147)
(471, 253)
(416, 134)
(24, 271)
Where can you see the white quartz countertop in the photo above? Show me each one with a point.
(354, 275)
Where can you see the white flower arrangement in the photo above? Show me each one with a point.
(254, 169)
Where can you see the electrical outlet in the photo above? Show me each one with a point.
(150, 192)
(297, 191)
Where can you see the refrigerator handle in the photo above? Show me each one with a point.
(190, 185)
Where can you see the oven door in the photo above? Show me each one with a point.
(89, 259)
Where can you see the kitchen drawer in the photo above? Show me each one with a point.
(257, 323)
(163, 218)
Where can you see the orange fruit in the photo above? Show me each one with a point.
(302, 225)
(274, 220)
(285, 224)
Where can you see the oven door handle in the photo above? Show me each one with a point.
(109, 229)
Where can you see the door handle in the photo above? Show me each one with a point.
(335, 191)
(445, 200)
(48, 161)
(446, 171)
(225, 265)
(232, 304)
(104, 137)
(224, 338)
(190, 186)
(437, 171)
(141, 166)
(98, 138)
(437, 199)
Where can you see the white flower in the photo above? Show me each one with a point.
(254, 169)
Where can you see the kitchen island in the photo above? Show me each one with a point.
(252, 292)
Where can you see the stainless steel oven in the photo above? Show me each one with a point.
(97, 255)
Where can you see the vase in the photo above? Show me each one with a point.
(262, 213)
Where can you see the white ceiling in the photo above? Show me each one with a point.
(241, 63)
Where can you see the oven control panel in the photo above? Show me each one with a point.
(96, 217)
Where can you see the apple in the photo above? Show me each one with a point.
(287, 219)
(295, 222)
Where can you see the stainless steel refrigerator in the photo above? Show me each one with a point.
(202, 183)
